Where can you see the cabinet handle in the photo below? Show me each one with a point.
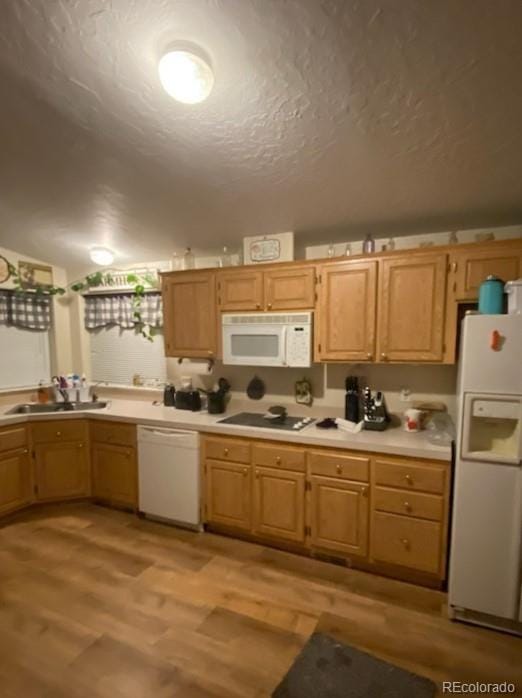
(58, 433)
(409, 479)
(369, 356)
(364, 491)
(407, 506)
(269, 305)
(26, 450)
(245, 471)
(278, 460)
(258, 306)
(210, 352)
(406, 543)
(80, 445)
(257, 473)
(339, 468)
(225, 451)
(384, 356)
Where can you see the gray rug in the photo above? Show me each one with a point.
(326, 668)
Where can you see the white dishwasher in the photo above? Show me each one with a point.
(169, 480)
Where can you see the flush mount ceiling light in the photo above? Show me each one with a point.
(186, 76)
(101, 256)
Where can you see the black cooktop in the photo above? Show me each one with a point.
(256, 419)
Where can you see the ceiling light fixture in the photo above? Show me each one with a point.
(101, 256)
(186, 76)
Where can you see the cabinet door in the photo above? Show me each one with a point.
(240, 290)
(190, 315)
(15, 480)
(62, 470)
(115, 473)
(472, 267)
(346, 310)
(279, 503)
(339, 520)
(412, 300)
(228, 494)
(289, 289)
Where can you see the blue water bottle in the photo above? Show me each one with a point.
(491, 296)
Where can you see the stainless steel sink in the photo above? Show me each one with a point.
(30, 408)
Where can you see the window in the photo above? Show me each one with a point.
(118, 354)
(25, 357)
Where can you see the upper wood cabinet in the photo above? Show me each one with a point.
(346, 314)
(240, 290)
(471, 266)
(412, 292)
(289, 288)
(279, 504)
(190, 314)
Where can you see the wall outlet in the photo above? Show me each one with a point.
(405, 395)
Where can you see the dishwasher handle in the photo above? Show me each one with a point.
(166, 433)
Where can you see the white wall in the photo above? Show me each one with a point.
(412, 241)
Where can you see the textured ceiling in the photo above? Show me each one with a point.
(328, 117)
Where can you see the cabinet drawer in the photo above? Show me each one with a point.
(420, 505)
(335, 464)
(273, 456)
(109, 432)
(407, 542)
(59, 430)
(12, 438)
(233, 450)
(411, 476)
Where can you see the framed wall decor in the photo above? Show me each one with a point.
(262, 249)
(5, 271)
(35, 274)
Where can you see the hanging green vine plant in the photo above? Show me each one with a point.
(139, 283)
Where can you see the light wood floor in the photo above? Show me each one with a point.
(95, 603)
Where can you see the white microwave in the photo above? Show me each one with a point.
(267, 339)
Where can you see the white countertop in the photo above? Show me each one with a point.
(392, 441)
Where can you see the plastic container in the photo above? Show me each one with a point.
(514, 295)
(491, 296)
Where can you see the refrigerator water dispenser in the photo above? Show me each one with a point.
(491, 429)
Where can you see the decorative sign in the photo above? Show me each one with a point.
(32, 275)
(268, 250)
(4, 270)
(263, 248)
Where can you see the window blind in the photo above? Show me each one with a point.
(118, 354)
(25, 357)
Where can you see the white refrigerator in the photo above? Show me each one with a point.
(485, 569)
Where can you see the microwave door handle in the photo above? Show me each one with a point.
(284, 353)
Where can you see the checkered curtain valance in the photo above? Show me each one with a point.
(27, 310)
(118, 309)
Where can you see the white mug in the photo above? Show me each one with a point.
(414, 419)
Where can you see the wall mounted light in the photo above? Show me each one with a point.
(101, 256)
(186, 75)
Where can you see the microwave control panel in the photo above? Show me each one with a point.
(299, 345)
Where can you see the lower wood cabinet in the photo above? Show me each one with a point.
(380, 512)
(339, 515)
(114, 473)
(15, 480)
(279, 503)
(228, 494)
(62, 470)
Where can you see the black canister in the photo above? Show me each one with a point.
(216, 402)
(169, 395)
(351, 403)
